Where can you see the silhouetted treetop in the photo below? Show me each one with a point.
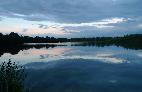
(127, 40)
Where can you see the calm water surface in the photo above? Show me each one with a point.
(80, 68)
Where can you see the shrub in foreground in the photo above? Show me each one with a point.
(11, 77)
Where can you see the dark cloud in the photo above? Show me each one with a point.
(25, 30)
(0, 19)
(78, 17)
(71, 10)
(43, 26)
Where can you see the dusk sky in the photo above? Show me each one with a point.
(71, 18)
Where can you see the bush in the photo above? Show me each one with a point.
(12, 77)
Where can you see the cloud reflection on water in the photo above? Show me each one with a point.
(110, 54)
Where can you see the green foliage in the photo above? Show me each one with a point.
(11, 77)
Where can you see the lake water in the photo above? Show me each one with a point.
(67, 68)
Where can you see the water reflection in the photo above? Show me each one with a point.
(46, 53)
(15, 49)
(78, 68)
(79, 75)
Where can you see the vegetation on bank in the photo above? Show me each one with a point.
(12, 77)
(133, 41)
(14, 38)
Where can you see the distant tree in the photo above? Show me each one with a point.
(1, 34)
(134, 40)
(11, 77)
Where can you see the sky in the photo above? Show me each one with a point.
(71, 18)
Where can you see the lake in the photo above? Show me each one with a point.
(78, 68)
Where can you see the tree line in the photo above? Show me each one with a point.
(14, 39)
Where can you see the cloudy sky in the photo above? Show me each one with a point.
(71, 18)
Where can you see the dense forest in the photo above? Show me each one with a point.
(14, 38)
